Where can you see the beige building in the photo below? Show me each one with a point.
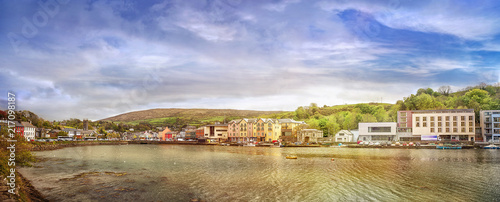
(448, 124)
(309, 135)
(216, 132)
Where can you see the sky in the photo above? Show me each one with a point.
(95, 59)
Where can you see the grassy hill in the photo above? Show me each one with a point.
(189, 116)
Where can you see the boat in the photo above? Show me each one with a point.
(448, 147)
(249, 145)
(291, 157)
(491, 146)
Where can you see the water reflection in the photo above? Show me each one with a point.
(214, 173)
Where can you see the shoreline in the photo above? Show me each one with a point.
(25, 190)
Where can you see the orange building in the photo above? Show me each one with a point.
(165, 134)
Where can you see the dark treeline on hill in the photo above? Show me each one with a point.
(330, 119)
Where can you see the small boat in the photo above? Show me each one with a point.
(249, 145)
(491, 146)
(448, 147)
(291, 157)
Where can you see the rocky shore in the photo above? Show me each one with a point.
(53, 146)
(25, 190)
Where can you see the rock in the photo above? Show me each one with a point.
(4, 188)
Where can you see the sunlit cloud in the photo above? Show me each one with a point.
(101, 58)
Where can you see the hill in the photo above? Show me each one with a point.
(193, 115)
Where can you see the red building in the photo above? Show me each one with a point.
(200, 133)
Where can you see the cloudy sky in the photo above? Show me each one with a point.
(94, 59)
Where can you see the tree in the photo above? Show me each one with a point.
(369, 118)
(62, 133)
(300, 113)
(421, 91)
(444, 90)
(429, 91)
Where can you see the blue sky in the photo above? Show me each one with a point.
(94, 59)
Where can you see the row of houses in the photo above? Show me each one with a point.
(31, 132)
(247, 130)
(430, 125)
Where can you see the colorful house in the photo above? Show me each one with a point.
(165, 134)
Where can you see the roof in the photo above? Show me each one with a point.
(290, 121)
(444, 111)
(88, 132)
(18, 124)
(312, 130)
(218, 124)
(27, 124)
(70, 129)
(345, 131)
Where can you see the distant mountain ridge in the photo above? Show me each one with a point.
(186, 113)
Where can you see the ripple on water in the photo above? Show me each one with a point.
(182, 173)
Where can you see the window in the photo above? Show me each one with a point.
(379, 129)
(470, 124)
(424, 124)
(447, 118)
(432, 124)
(440, 124)
(432, 130)
(403, 125)
(417, 118)
(447, 130)
(454, 124)
(462, 124)
(424, 118)
(439, 118)
(403, 113)
(487, 119)
(432, 118)
(455, 130)
(454, 118)
(463, 130)
(447, 124)
(403, 119)
(417, 124)
(440, 130)
(462, 118)
(471, 130)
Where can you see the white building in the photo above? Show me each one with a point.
(377, 132)
(346, 136)
(29, 131)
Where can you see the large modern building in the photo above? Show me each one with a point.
(490, 125)
(216, 132)
(377, 132)
(434, 125)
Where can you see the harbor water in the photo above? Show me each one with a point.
(228, 173)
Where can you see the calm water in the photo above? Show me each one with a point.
(215, 173)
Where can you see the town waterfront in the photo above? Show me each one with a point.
(227, 173)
